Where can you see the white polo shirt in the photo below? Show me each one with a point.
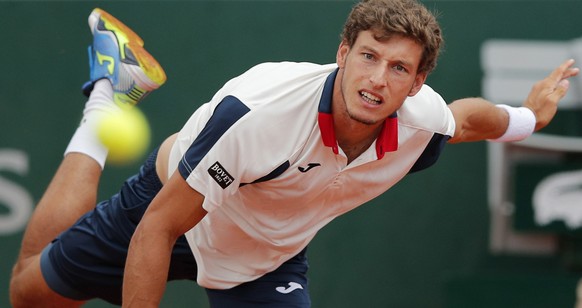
(263, 153)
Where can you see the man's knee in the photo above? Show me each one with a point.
(29, 289)
(15, 292)
(18, 296)
(21, 285)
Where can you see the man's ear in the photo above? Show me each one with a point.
(342, 53)
(418, 82)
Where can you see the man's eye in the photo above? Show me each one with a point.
(368, 56)
(400, 68)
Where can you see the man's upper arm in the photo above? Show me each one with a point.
(177, 207)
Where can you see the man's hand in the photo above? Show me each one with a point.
(545, 94)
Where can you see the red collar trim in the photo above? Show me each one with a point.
(387, 140)
(325, 121)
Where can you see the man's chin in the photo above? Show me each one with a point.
(363, 120)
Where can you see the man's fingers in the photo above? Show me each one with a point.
(564, 71)
(559, 78)
(562, 88)
(571, 72)
(547, 93)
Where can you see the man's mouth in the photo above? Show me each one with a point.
(370, 98)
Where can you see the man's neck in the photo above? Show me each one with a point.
(353, 137)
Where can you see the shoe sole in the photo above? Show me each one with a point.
(129, 40)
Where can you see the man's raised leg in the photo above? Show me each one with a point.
(128, 75)
(71, 193)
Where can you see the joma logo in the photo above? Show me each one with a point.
(220, 175)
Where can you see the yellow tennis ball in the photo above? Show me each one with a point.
(126, 134)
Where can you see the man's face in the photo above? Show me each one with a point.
(376, 77)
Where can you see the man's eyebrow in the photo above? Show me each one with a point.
(373, 50)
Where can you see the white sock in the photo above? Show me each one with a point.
(85, 139)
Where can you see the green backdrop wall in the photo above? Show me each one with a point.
(422, 244)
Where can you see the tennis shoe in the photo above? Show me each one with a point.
(117, 54)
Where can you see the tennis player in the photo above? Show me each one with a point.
(233, 199)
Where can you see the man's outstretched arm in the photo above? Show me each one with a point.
(176, 209)
(477, 119)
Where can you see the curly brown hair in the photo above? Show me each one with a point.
(387, 18)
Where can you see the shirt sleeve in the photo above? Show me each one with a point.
(213, 163)
(427, 110)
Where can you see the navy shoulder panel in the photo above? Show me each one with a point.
(431, 153)
(226, 113)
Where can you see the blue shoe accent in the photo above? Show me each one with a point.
(117, 54)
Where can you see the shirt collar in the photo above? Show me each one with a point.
(387, 140)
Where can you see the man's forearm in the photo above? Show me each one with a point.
(477, 119)
(176, 209)
(146, 268)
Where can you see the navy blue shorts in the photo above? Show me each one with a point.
(87, 260)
